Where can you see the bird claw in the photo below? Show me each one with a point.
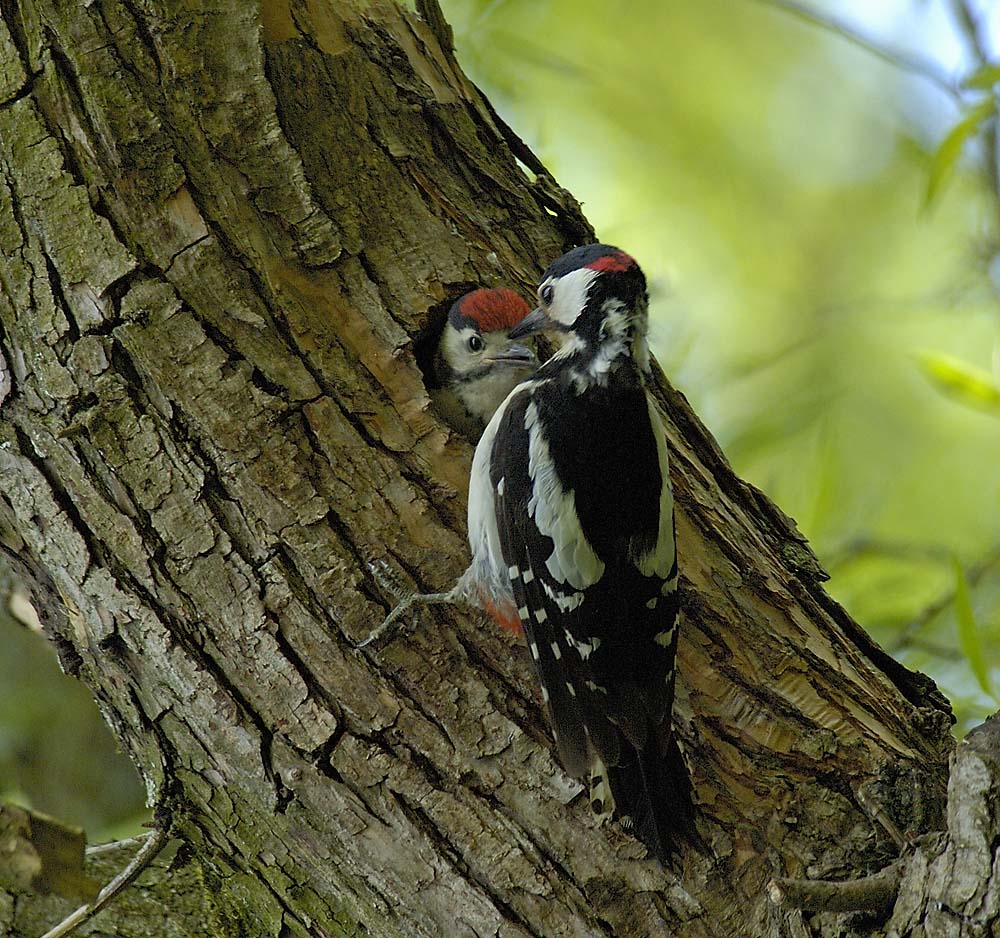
(390, 620)
(382, 575)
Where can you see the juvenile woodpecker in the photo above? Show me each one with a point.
(571, 523)
(477, 362)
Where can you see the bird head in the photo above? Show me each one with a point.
(596, 295)
(477, 337)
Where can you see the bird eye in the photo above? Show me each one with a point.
(475, 343)
(545, 294)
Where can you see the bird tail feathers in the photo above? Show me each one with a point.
(651, 793)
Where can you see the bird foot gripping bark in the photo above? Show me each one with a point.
(405, 601)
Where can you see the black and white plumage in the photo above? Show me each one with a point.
(571, 518)
(477, 363)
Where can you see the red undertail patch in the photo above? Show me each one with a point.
(505, 616)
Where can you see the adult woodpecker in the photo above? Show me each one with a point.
(571, 520)
(477, 364)
(571, 511)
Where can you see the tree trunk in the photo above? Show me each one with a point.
(222, 233)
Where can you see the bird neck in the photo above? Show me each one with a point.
(612, 349)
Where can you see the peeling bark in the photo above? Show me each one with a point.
(951, 888)
(222, 232)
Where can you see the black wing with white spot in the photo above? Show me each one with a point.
(586, 528)
(525, 550)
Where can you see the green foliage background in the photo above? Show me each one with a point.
(56, 754)
(834, 328)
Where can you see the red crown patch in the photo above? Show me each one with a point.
(494, 309)
(615, 263)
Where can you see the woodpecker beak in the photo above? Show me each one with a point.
(513, 353)
(535, 321)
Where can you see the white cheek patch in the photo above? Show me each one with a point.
(617, 321)
(571, 345)
(640, 346)
(614, 337)
(456, 348)
(570, 295)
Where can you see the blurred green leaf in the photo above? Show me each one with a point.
(43, 855)
(983, 78)
(56, 754)
(968, 631)
(961, 381)
(948, 152)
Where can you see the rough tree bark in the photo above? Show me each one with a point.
(223, 230)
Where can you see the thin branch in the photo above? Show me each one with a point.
(915, 65)
(974, 29)
(147, 853)
(876, 893)
(486, 14)
(851, 550)
(935, 649)
(94, 850)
